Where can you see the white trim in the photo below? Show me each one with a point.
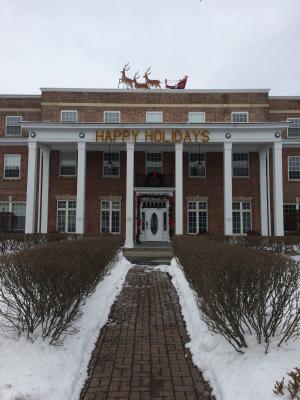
(4, 167)
(194, 113)
(292, 180)
(66, 209)
(241, 211)
(197, 210)
(110, 210)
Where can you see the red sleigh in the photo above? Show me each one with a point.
(177, 84)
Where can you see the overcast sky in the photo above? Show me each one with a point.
(217, 43)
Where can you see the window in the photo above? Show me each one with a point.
(241, 217)
(110, 216)
(112, 116)
(196, 117)
(294, 168)
(68, 163)
(18, 209)
(197, 165)
(291, 214)
(66, 216)
(197, 217)
(294, 129)
(12, 164)
(111, 164)
(239, 117)
(154, 116)
(154, 163)
(68, 116)
(13, 125)
(240, 165)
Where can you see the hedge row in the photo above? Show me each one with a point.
(42, 289)
(241, 290)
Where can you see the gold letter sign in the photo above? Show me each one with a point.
(152, 135)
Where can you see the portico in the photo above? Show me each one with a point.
(176, 139)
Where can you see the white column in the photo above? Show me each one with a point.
(278, 189)
(31, 188)
(80, 199)
(129, 195)
(45, 190)
(227, 188)
(178, 189)
(263, 193)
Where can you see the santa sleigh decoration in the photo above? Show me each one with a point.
(176, 84)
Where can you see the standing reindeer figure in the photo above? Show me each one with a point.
(124, 79)
(138, 85)
(151, 82)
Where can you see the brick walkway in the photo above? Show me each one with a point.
(140, 353)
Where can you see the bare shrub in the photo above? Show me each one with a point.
(242, 290)
(42, 289)
(292, 386)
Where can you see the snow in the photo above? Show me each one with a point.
(35, 371)
(233, 376)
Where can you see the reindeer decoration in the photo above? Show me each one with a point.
(124, 79)
(138, 85)
(151, 82)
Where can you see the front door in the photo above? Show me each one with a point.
(154, 225)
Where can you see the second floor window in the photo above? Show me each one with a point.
(294, 129)
(239, 117)
(240, 165)
(197, 165)
(111, 164)
(294, 168)
(68, 163)
(68, 116)
(154, 162)
(13, 125)
(154, 116)
(12, 164)
(112, 116)
(196, 117)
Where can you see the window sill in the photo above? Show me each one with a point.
(240, 177)
(111, 176)
(294, 180)
(67, 176)
(198, 177)
(11, 179)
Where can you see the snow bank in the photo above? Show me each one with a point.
(233, 376)
(38, 371)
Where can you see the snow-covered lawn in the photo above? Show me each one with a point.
(38, 371)
(233, 376)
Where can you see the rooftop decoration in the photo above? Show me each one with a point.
(130, 83)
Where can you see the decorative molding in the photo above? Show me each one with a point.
(242, 198)
(197, 198)
(20, 109)
(110, 197)
(65, 197)
(284, 111)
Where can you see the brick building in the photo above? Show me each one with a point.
(150, 164)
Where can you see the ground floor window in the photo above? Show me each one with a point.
(66, 216)
(110, 216)
(241, 217)
(291, 217)
(197, 217)
(13, 215)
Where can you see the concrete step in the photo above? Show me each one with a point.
(146, 255)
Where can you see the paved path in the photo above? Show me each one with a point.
(140, 353)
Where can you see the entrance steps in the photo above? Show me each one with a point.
(154, 253)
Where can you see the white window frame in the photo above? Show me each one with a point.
(197, 176)
(239, 113)
(111, 113)
(4, 166)
(103, 165)
(162, 161)
(110, 210)
(291, 179)
(68, 111)
(291, 120)
(196, 210)
(241, 211)
(195, 114)
(66, 216)
(6, 125)
(152, 113)
(241, 176)
(64, 175)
